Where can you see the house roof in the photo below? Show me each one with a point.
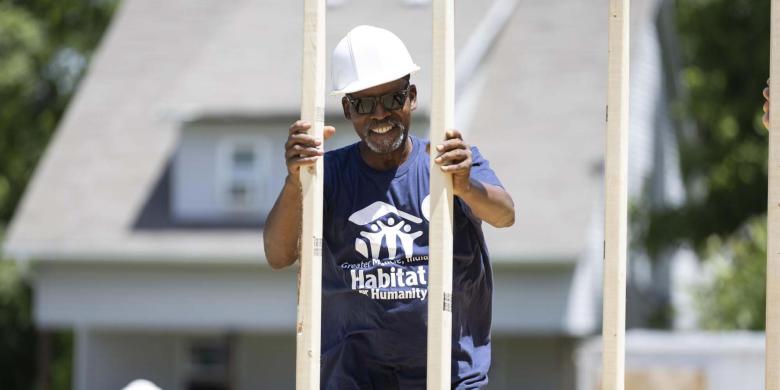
(541, 123)
(538, 117)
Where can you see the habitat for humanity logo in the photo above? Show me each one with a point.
(386, 227)
(384, 222)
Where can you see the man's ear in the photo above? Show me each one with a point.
(345, 107)
(413, 96)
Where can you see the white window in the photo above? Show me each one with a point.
(243, 166)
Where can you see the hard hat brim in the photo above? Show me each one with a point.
(359, 85)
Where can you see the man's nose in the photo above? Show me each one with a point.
(380, 112)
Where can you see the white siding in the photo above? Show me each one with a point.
(164, 297)
(533, 300)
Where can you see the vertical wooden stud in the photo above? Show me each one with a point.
(307, 363)
(440, 233)
(773, 214)
(616, 197)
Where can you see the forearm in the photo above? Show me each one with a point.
(489, 203)
(283, 226)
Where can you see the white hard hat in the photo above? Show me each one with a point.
(141, 384)
(369, 56)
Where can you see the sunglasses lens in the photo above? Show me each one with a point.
(365, 106)
(394, 101)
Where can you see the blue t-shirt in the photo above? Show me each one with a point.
(375, 274)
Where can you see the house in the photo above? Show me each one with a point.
(143, 223)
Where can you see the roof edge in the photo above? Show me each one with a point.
(40, 254)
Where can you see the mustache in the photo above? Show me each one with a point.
(391, 122)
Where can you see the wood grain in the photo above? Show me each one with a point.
(307, 363)
(440, 228)
(616, 194)
(773, 214)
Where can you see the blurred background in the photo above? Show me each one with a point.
(141, 149)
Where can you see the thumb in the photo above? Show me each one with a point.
(328, 131)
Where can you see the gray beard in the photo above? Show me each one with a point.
(387, 147)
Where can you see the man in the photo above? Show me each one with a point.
(375, 225)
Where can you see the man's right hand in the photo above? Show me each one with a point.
(302, 149)
(283, 225)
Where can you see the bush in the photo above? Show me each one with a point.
(735, 297)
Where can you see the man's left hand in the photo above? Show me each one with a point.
(454, 156)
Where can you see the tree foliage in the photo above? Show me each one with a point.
(724, 45)
(44, 48)
(735, 298)
(17, 333)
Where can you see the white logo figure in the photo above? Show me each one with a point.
(391, 231)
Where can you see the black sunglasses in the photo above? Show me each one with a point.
(391, 101)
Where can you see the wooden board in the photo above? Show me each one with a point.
(307, 363)
(440, 233)
(773, 214)
(616, 194)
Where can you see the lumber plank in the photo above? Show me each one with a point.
(616, 196)
(773, 214)
(307, 363)
(440, 229)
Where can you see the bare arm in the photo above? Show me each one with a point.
(283, 226)
(489, 203)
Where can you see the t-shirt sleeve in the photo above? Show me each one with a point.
(480, 169)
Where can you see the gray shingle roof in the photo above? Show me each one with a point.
(540, 122)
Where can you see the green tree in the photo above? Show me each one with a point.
(735, 298)
(17, 333)
(724, 45)
(44, 48)
(22, 44)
